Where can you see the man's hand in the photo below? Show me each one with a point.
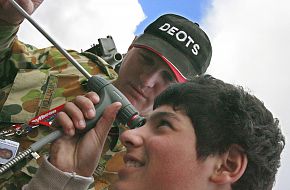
(76, 152)
(9, 15)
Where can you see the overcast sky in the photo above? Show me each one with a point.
(250, 40)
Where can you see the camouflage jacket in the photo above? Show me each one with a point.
(33, 81)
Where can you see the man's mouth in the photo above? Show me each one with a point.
(138, 91)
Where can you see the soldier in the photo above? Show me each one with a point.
(33, 81)
(203, 134)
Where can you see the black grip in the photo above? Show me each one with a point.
(97, 83)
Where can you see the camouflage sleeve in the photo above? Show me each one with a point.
(49, 177)
(7, 35)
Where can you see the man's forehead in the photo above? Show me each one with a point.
(148, 53)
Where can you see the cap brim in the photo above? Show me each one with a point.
(176, 60)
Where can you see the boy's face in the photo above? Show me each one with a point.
(162, 155)
(143, 75)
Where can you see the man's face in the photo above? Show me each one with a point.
(162, 155)
(143, 75)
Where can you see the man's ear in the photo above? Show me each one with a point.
(231, 166)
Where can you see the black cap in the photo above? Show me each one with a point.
(182, 44)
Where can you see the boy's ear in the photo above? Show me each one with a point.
(230, 166)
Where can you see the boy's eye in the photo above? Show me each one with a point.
(164, 123)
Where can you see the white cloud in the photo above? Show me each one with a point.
(251, 44)
(78, 24)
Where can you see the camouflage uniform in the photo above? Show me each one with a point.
(36, 80)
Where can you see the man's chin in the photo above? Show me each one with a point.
(134, 101)
(139, 105)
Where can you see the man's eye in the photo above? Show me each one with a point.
(168, 77)
(146, 60)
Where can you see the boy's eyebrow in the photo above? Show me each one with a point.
(155, 116)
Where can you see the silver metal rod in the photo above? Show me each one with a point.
(56, 134)
(63, 51)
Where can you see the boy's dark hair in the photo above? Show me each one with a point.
(223, 114)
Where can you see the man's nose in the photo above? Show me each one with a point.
(150, 78)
